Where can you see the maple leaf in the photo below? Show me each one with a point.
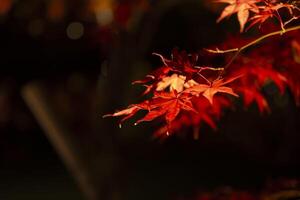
(260, 18)
(167, 104)
(175, 82)
(130, 111)
(190, 83)
(258, 71)
(153, 78)
(251, 95)
(241, 7)
(185, 120)
(269, 10)
(180, 62)
(206, 113)
(208, 91)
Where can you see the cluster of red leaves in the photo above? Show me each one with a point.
(183, 94)
(258, 11)
(257, 70)
(186, 95)
(287, 60)
(277, 61)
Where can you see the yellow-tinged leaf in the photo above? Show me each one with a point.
(175, 82)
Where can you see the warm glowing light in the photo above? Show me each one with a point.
(105, 17)
(56, 10)
(104, 11)
(75, 30)
(5, 6)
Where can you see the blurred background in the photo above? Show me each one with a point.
(66, 63)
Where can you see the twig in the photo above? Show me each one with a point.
(208, 68)
(218, 51)
(239, 50)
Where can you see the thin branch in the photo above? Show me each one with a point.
(254, 42)
(290, 20)
(208, 68)
(161, 57)
(209, 83)
(219, 51)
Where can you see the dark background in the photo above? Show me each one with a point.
(88, 77)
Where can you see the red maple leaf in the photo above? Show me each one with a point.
(257, 71)
(270, 10)
(167, 104)
(180, 63)
(129, 112)
(251, 95)
(206, 113)
(184, 95)
(241, 7)
(209, 90)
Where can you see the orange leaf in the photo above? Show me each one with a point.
(241, 7)
(208, 91)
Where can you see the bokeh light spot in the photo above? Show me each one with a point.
(105, 17)
(75, 30)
